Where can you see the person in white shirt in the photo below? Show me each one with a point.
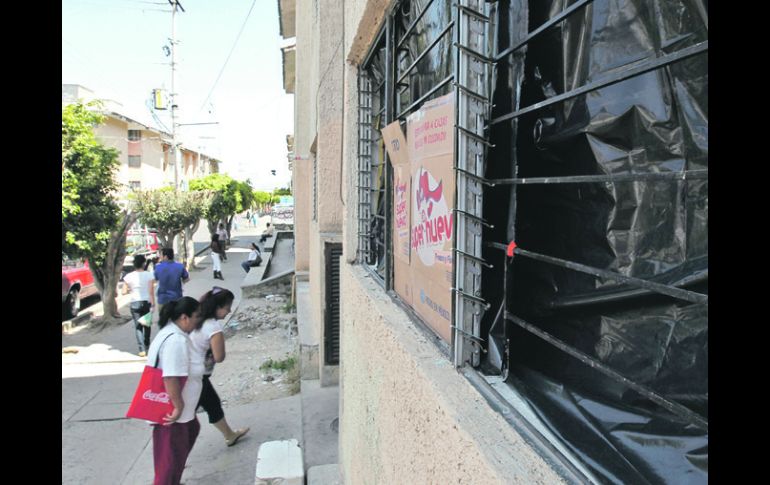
(137, 283)
(254, 259)
(173, 440)
(209, 347)
(223, 239)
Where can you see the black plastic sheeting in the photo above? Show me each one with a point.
(655, 230)
(438, 62)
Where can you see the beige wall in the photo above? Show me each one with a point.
(114, 133)
(406, 415)
(302, 198)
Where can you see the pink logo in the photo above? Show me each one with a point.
(161, 397)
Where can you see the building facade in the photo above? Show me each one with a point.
(144, 152)
(570, 321)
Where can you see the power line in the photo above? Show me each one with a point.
(228, 56)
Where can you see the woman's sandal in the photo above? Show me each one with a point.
(237, 436)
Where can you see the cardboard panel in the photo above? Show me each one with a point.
(430, 136)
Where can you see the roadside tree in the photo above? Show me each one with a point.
(93, 224)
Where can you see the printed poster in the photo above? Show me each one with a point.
(430, 137)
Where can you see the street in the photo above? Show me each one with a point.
(100, 371)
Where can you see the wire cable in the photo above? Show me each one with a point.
(228, 57)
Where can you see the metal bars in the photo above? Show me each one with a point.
(609, 80)
(671, 406)
(472, 69)
(364, 165)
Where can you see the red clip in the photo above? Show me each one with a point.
(511, 246)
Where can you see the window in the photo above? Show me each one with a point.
(135, 185)
(372, 184)
(134, 135)
(604, 296)
(135, 161)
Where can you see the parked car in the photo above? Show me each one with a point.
(140, 241)
(77, 283)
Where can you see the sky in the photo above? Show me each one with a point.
(115, 49)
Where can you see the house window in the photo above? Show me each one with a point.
(134, 135)
(135, 161)
(135, 185)
(372, 177)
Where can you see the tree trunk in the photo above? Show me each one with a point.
(107, 275)
(212, 224)
(189, 244)
(229, 225)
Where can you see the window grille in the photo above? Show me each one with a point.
(135, 161)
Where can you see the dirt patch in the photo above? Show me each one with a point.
(262, 329)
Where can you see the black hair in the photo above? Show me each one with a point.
(168, 252)
(140, 261)
(268, 225)
(254, 245)
(215, 298)
(176, 308)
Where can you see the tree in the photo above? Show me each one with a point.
(230, 197)
(282, 191)
(261, 199)
(93, 224)
(172, 213)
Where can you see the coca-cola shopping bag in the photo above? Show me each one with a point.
(151, 401)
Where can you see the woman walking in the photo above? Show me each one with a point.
(137, 283)
(173, 440)
(217, 250)
(209, 347)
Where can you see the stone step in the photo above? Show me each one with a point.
(324, 475)
(280, 462)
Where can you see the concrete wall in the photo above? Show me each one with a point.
(114, 133)
(302, 211)
(406, 415)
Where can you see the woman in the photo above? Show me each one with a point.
(216, 254)
(209, 347)
(254, 259)
(137, 283)
(173, 440)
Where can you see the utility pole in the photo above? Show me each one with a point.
(175, 148)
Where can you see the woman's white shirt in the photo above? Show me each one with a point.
(201, 343)
(176, 352)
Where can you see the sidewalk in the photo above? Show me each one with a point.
(98, 383)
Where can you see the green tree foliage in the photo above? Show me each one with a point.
(89, 209)
(230, 197)
(261, 199)
(282, 191)
(93, 225)
(170, 211)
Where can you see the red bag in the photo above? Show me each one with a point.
(151, 401)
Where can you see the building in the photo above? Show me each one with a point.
(565, 320)
(145, 157)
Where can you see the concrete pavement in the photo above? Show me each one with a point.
(100, 446)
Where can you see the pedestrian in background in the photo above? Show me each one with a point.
(209, 348)
(268, 233)
(254, 259)
(138, 283)
(170, 277)
(223, 237)
(216, 254)
(173, 440)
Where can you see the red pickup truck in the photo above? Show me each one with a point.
(76, 282)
